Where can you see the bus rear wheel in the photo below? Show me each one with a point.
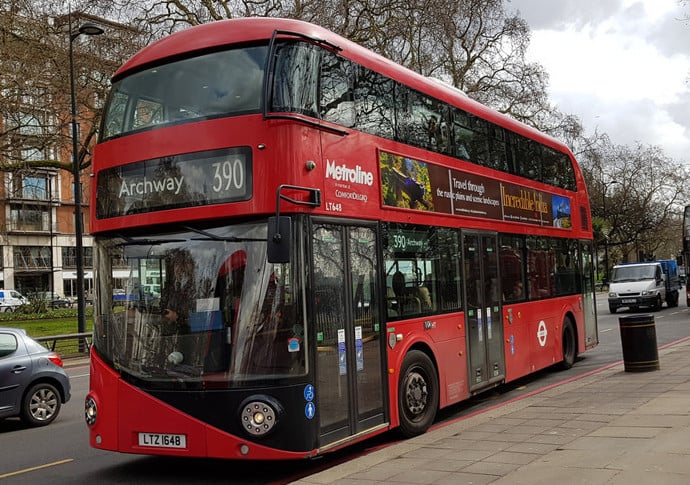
(569, 344)
(418, 394)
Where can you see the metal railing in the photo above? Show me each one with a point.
(68, 345)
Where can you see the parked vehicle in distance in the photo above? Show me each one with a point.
(681, 275)
(10, 300)
(53, 299)
(646, 284)
(33, 384)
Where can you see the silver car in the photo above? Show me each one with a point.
(33, 384)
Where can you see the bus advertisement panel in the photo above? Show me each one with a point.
(418, 185)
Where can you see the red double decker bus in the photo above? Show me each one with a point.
(300, 244)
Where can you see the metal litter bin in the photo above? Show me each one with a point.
(638, 337)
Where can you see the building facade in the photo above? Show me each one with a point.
(37, 231)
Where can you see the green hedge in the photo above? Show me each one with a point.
(53, 322)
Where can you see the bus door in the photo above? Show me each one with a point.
(349, 356)
(590, 308)
(483, 319)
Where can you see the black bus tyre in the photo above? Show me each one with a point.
(418, 395)
(569, 344)
(41, 404)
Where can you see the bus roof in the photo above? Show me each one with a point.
(220, 33)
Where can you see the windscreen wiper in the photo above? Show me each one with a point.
(214, 237)
(147, 242)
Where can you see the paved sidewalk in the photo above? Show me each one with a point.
(612, 427)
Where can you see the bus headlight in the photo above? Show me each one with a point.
(90, 411)
(259, 415)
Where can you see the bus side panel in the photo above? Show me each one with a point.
(534, 339)
(544, 334)
(448, 334)
(518, 353)
(574, 307)
(349, 175)
(443, 337)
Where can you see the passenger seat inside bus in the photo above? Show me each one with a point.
(424, 297)
(407, 302)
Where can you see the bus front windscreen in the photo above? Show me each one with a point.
(221, 83)
(195, 306)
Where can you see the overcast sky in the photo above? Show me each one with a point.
(621, 66)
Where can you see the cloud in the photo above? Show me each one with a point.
(621, 66)
(550, 14)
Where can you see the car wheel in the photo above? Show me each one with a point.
(41, 404)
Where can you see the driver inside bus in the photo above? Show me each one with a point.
(229, 284)
(229, 291)
(177, 292)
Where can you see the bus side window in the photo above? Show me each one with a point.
(374, 106)
(336, 96)
(296, 79)
(425, 280)
(512, 268)
(391, 302)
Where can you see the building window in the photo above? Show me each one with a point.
(24, 217)
(32, 257)
(34, 187)
(69, 257)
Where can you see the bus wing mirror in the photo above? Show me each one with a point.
(279, 237)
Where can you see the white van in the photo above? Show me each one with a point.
(10, 300)
(636, 285)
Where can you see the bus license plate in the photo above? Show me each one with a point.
(161, 440)
(629, 300)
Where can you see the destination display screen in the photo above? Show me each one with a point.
(191, 179)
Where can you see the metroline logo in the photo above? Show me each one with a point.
(343, 173)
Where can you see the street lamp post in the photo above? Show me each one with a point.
(86, 29)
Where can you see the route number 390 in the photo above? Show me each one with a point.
(228, 175)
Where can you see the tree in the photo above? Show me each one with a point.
(35, 127)
(636, 195)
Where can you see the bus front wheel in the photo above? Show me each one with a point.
(418, 394)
